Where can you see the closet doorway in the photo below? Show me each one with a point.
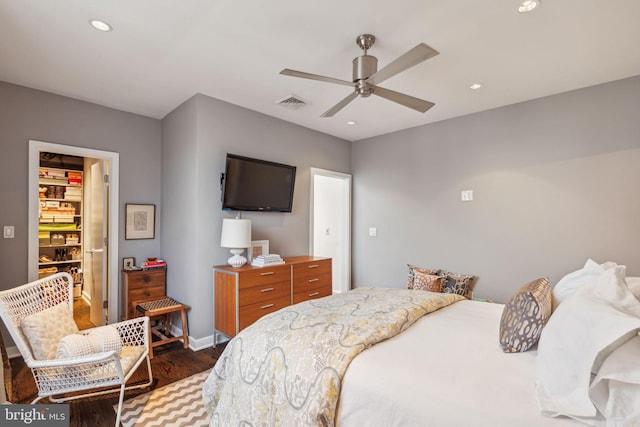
(330, 234)
(98, 210)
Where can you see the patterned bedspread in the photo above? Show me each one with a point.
(287, 368)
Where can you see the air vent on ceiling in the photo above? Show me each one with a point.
(292, 102)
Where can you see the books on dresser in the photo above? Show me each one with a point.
(265, 260)
(154, 264)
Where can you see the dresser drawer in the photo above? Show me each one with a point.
(265, 276)
(251, 313)
(313, 292)
(310, 270)
(311, 282)
(266, 292)
(146, 279)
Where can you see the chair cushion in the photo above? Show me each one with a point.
(46, 328)
(130, 356)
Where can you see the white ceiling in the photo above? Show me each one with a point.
(162, 52)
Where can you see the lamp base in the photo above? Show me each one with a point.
(237, 260)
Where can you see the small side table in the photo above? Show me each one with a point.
(163, 308)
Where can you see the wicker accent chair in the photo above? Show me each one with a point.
(105, 371)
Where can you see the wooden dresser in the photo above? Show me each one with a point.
(243, 295)
(141, 286)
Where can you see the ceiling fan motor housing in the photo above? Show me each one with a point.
(364, 67)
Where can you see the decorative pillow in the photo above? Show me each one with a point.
(458, 284)
(74, 345)
(524, 316)
(96, 340)
(427, 282)
(412, 274)
(45, 329)
(572, 281)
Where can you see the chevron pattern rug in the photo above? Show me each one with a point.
(177, 404)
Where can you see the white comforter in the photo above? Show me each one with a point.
(446, 370)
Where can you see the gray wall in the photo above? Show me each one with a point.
(555, 181)
(31, 114)
(196, 138)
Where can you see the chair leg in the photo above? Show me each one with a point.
(185, 331)
(120, 405)
(150, 341)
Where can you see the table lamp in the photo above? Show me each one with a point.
(236, 235)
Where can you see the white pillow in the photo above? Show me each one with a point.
(582, 333)
(96, 340)
(45, 329)
(634, 286)
(616, 389)
(572, 281)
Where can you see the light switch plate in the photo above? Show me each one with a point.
(9, 232)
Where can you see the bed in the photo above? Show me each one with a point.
(437, 369)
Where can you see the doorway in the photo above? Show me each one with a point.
(330, 234)
(108, 252)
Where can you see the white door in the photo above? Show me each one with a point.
(95, 260)
(331, 223)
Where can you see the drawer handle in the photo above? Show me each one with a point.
(267, 306)
(146, 278)
(266, 290)
(313, 280)
(314, 266)
(268, 273)
(147, 293)
(314, 294)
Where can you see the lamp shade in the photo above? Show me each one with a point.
(236, 233)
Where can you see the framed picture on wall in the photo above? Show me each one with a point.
(258, 247)
(140, 222)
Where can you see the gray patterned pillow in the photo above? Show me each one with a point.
(458, 284)
(524, 316)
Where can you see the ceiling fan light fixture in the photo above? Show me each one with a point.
(528, 5)
(352, 122)
(100, 25)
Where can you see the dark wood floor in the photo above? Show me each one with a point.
(171, 362)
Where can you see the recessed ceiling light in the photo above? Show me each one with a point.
(528, 5)
(475, 86)
(100, 25)
(352, 122)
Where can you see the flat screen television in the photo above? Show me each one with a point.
(257, 185)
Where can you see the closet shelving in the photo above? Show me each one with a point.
(60, 223)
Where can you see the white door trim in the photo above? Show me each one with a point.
(346, 242)
(35, 147)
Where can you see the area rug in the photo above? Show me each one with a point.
(176, 404)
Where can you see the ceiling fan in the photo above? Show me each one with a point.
(366, 76)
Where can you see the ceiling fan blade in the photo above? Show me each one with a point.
(406, 100)
(340, 105)
(301, 74)
(420, 53)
